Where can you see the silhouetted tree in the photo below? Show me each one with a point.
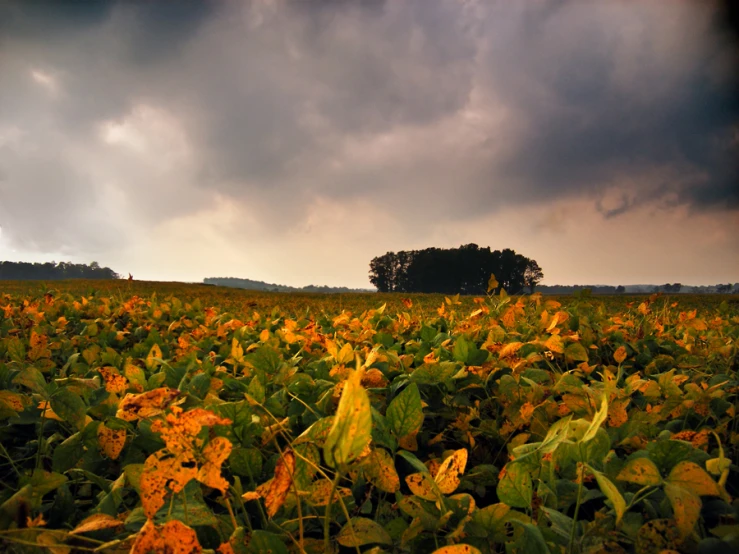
(463, 270)
(532, 275)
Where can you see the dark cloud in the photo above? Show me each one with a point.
(451, 110)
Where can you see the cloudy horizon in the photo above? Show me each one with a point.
(292, 142)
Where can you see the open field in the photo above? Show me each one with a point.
(144, 416)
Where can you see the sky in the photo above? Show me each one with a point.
(293, 141)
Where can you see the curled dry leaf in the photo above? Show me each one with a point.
(96, 522)
(275, 496)
(147, 404)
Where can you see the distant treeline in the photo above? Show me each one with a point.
(667, 288)
(464, 270)
(271, 287)
(52, 271)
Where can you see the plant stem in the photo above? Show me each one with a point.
(327, 516)
(12, 463)
(577, 507)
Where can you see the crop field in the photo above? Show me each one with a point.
(162, 417)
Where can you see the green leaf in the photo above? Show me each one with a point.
(598, 419)
(70, 407)
(434, 374)
(515, 487)
(531, 540)
(352, 428)
(16, 350)
(461, 349)
(263, 541)
(557, 433)
(611, 492)
(575, 352)
(43, 482)
(68, 453)
(404, 415)
(360, 531)
(31, 378)
(666, 454)
(246, 462)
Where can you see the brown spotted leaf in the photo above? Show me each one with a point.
(447, 478)
(275, 496)
(164, 471)
(215, 453)
(147, 404)
(111, 441)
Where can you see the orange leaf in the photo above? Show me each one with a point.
(111, 441)
(174, 537)
(275, 496)
(215, 454)
(163, 471)
(147, 404)
(114, 382)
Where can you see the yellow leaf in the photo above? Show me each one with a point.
(352, 427)
(237, 351)
(379, 469)
(691, 476)
(509, 349)
(640, 471)
(346, 354)
(686, 506)
(422, 485)
(447, 478)
(321, 490)
(155, 352)
(111, 441)
(554, 343)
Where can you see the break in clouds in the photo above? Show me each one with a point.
(293, 141)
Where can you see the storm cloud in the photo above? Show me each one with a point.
(134, 125)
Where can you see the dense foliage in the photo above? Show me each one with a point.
(145, 417)
(51, 271)
(463, 270)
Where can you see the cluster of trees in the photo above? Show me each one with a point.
(52, 271)
(464, 270)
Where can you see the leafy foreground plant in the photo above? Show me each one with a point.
(516, 425)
